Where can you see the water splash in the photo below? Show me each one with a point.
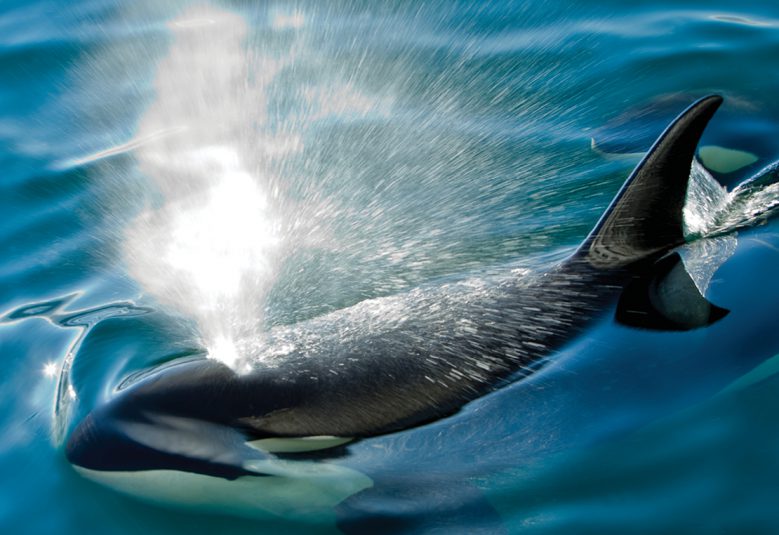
(208, 246)
(216, 142)
(706, 198)
(753, 202)
(713, 211)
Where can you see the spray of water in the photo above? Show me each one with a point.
(208, 245)
(711, 210)
(210, 240)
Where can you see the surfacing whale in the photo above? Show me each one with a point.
(393, 363)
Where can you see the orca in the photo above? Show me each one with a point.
(731, 154)
(393, 363)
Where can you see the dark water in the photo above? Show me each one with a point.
(397, 144)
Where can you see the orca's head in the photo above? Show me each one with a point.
(175, 418)
(195, 416)
(144, 443)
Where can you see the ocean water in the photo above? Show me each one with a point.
(177, 178)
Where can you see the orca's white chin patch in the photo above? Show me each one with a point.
(305, 491)
(298, 445)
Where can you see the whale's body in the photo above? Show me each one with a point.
(393, 363)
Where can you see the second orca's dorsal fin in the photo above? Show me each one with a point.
(645, 218)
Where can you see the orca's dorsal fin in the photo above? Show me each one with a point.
(645, 218)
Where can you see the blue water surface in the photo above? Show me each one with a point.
(405, 143)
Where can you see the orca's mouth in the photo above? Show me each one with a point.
(82, 447)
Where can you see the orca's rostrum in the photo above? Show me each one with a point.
(393, 363)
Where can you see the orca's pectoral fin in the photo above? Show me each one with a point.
(665, 297)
